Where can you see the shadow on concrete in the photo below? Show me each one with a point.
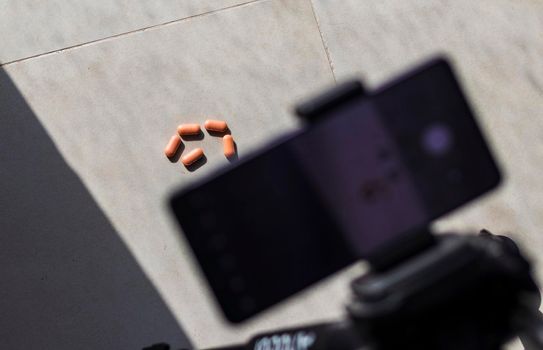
(235, 157)
(177, 154)
(68, 281)
(197, 164)
(197, 137)
(219, 133)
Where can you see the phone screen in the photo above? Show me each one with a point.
(340, 190)
(355, 166)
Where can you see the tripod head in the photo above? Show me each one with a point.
(462, 292)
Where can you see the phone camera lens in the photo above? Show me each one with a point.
(437, 139)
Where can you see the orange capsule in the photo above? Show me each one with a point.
(229, 147)
(188, 129)
(192, 156)
(216, 125)
(172, 146)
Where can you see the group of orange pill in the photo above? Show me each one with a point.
(218, 126)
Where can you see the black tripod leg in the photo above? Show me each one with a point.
(532, 336)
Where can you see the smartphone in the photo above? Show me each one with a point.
(369, 172)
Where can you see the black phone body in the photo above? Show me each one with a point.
(372, 170)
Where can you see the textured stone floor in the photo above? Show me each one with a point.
(109, 82)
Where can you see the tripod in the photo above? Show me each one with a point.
(461, 292)
(423, 291)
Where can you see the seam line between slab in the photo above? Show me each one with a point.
(326, 50)
(96, 41)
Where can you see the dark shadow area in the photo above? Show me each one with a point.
(69, 282)
(197, 164)
(197, 137)
(177, 154)
(219, 133)
(235, 156)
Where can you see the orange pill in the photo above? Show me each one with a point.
(188, 129)
(216, 125)
(229, 146)
(192, 156)
(172, 146)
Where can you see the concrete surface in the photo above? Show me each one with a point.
(46, 26)
(110, 105)
(68, 281)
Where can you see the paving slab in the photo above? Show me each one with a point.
(110, 107)
(31, 27)
(69, 281)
